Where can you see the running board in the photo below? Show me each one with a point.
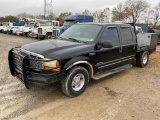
(110, 72)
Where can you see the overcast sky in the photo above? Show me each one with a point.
(14, 7)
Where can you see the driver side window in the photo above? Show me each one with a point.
(111, 33)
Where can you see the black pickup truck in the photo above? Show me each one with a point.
(83, 52)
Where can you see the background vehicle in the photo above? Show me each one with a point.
(84, 51)
(74, 19)
(34, 32)
(45, 32)
(14, 30)
(3, 26)
(27, 28)
(12, 25)
(30, 25)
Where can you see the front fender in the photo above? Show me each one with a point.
(79, 60)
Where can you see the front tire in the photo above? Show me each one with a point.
(142, 59)
(48, 36)
(75, 82)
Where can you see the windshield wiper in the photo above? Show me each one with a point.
(74, 40)
(61, 38)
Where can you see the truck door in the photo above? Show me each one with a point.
(128, 43)
(109, 58)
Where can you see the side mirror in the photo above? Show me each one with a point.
(106, 44)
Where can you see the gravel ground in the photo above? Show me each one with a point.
(130, 95)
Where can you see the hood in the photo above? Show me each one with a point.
(58, 49)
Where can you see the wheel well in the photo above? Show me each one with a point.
(88, 67)
(48, 33)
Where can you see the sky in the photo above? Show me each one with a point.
(35, 7)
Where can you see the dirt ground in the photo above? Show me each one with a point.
(130, 95)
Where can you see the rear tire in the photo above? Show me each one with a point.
(75, 82)
(28, 34)
(142, 59)
(25, 34)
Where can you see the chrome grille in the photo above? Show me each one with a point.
(18, 61)
(36, 63)
(35, 60)
(39, 30)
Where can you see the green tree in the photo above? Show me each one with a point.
(119, 13)
(63, 15)
(25, 15)
(51, 16)
(86, 12)
(156, 14)
(135, 9)
(9, 19)
(101, 15)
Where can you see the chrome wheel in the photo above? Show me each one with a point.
(145, 58)
(78, 82)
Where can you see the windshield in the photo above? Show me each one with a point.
(4, 24)
(42, 23)
(26, 25)
(49, 23)
(69, 23)
(31, 24)
(82, 33)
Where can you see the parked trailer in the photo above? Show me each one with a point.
(14, 25)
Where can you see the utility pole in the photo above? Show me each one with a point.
(44, 9)
(48, 8)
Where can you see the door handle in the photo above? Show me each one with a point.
(92, 54)
(134, 47)
(120, 50)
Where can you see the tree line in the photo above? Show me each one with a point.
(136, 11)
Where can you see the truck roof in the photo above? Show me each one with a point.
(75, 17)
(103, 24)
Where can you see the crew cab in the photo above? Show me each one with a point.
(83, 52)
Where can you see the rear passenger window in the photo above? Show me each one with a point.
(111, 34)
(126, 34)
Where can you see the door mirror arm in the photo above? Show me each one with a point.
(104, 44)
(99, 46)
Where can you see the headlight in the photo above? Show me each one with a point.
(51, 65)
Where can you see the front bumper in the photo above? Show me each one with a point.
(20, 68)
